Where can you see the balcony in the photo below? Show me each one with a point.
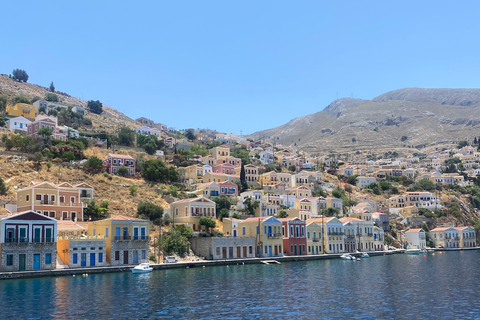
(123, 238)
(369, 234)
(44, 202)
(316, 239)
(335, 233)
(16, 240)
(274, 235)
(141, 238)
(351, 236)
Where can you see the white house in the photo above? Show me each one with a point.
(362, 182)
(18, 123)
(416, 238)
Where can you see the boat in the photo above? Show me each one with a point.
(347, 256)
(365, 255)
(142, 268)
(412, 251)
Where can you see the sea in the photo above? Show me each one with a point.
(441, 286)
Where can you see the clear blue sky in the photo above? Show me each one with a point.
(239, 65)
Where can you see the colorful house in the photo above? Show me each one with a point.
(468, 237)
(189, 211)
(294, 236)
(18, 123)
(445, 237)
(267, 232)
(46, 122)
(21, 109)
(314, 236)
(28, 242)
(114, 161)
(126, 239)
(416, 238)
(220, 152)
(61, 201)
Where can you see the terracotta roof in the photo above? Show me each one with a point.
(120, 217)
(414, 230)
(68, 225)
(347, 219)
(440, 229)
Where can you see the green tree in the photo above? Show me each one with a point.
(95, 106)
(292, 168)
(2, 122)
(241, 154)
(243, 180)
(46, 133)
(51, 97)
(21, 99)
(190, 136)
(208, 223)
(150, 211)
(282, 214)
(222, 202)
(174, 242)
(250, 205)
(331, 212)
(454, 209)
(93, 164)
(126, 136)
(388, 240)
(352, 180)
(52, 87)
(93, 210)
(38, 157)
(133, 190)
(3, 187)
(20, 75)
(122, 171)
(155, 170)
(385, 185)
(462, 144)
(403, 138)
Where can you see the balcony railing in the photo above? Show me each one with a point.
(141, 238)
(316, 239)
(274, 235)
(120, 238)
(369, 234)
(16, 240)
(351, 236)
(335, 233)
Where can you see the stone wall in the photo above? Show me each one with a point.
(132, 247)
(80, 246)
(29, 249)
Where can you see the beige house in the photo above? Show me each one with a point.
(189, 211)
(220, 152)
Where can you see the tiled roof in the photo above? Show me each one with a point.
(116, 155)
(68, 225)
(414, 230)
(120, 217)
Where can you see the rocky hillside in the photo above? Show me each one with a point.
(400, 119)
(109, 120)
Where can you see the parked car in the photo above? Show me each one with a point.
(170, 260)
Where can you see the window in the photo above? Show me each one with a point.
(72, 199)
(243, 230)
(94, 232)
(106, 232)
(250, 249)
(38, 197)
(100, 257)
(75, 257)
(48, 258)
(117, 255)
(218, 251)
(9, 259)
(27, 198)
(52, 198)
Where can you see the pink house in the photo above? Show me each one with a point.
(228, 188)
(115, 161)
(34, 127)
(230, 160)
(224, 168)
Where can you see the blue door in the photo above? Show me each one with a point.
(125, 234)
(234, 233)
(36, 262)
(92, 259)
(142, 233)
(135, 257)
(269, 251)
(135, 234)
(75, 258)
(83, 262)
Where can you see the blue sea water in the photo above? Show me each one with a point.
(444, 286)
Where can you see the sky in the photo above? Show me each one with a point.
(239, 66)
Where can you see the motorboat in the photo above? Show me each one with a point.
(365, 255)
(412, 251)
(142, 268)
(347, 256)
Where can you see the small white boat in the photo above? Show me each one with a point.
(365, 255)
(347, 256)
(412, 251)
(142, 268)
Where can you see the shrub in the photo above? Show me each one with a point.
(51, 97)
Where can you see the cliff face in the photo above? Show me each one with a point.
(394, 120)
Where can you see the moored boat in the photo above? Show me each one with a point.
(347, 256)
(142, 268)
(412, 251)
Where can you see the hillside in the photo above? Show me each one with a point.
(109, 120)
(426, 117)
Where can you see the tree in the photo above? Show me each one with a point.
(243, 180)
(454, 209)
(156, 171)
(150, 211)
(462, 144)
(133, 190)
(21, 99)
(93, 164)
(251, 206)
(403, 138)
(3, 102)
(46, 133)
(2, 122)
(122, 171)
(174, 242)
(51, 97)
(208, 223)
(292, 168)
(93, 210)
(282, 214)
(352, 180)
(52, 87)
(190, 136)
(38, 157)
(20, 75)
(126, 136)
(3, 187)
(222, 202)
(95, 107)
(388, 240)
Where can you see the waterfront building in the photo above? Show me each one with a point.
(378, 239)
(114, 161)
(28, 242)
(333, 232)
(445, 237)
(267, 232)
(349, 237)
(314, 236)
(189, 211)
(468, 237)
(416, 238)
(126, 239)
(61, 201)
(215, 248)
(294, 237)
(363, 233)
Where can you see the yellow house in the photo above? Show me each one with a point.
(409, 211)
(220, 177)
(268, 178)
(189, 211)
(314, 236)
(300, 192)
(220, 152)
(22, 109)
(127, 239)
(267, 232)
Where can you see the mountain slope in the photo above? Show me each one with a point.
(424, 117)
